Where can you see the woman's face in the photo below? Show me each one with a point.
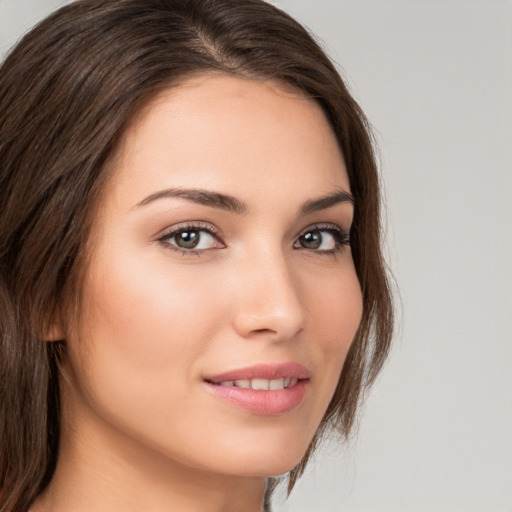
(220, 264)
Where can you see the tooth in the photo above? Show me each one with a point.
(287, 382)
(293, 382)
(243, 383)
(259, 384)
(227, 383)
(276, 384)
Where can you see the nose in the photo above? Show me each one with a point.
(268, 303)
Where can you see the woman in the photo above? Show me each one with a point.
(192, 287)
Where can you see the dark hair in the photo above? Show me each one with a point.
(67, 92)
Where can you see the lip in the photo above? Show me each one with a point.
(263, 371)
(262, 402)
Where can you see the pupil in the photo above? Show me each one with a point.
(311, 240)
(187, 239)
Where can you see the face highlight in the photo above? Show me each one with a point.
(221, 297)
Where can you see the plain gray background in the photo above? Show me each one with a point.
(435, 79)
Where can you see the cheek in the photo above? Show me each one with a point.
(337, 311)
(140, 345)
(140, 335)
(337, 308)
(148, 311)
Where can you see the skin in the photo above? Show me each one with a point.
(140, 429)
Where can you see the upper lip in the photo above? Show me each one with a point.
(263, 371)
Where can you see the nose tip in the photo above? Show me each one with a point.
(269, 304)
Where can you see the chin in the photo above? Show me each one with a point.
(255, 446)
(265, 459)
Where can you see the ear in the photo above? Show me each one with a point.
(54, 329)
(54, 332)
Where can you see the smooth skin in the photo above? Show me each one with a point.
(268, 281)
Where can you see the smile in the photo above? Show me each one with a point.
(267, 390)
(262, 384)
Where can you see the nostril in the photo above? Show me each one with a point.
(263, 331)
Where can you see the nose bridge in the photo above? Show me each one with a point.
(269, 299)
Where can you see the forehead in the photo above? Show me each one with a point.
(231, 134)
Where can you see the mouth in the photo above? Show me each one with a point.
(267, 390)
(259, 384)
(265, 375)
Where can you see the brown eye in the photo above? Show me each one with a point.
(187, 239)
(191, 238)
(311, 240)
(322, 239)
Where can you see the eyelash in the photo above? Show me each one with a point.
(341, 238)
(201, 227)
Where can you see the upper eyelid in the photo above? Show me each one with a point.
(191, 225)
(325, 226)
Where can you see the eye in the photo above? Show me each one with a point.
(322, 239)
(191, 239)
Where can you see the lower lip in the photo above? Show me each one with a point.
(263, 402)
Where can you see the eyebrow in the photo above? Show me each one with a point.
(204, 197)
(232, 204)
(322, 203)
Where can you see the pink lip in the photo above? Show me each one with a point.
(263, 371)
(263, 402)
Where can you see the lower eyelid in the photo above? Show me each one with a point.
(172, 232)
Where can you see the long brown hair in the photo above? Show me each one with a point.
(67, 92)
